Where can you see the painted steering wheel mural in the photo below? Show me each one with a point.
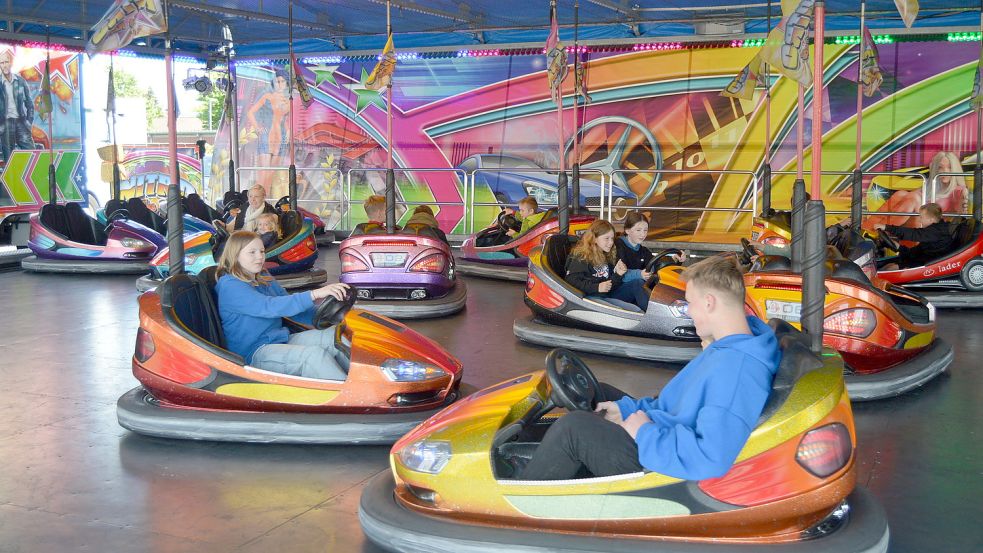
(609, 158)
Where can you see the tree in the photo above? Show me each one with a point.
(210, 118)
(125, 85)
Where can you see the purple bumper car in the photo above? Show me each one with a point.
(406, 275)
(65, 239)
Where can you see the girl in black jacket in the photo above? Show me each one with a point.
(593, 268)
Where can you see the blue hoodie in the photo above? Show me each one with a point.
(251, 314)
(703, 417)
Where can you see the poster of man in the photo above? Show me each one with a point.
(16, 107)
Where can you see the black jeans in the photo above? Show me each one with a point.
(15, 134)
(584, 442)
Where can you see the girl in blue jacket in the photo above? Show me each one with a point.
(251, 304)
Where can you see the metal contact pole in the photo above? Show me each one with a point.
(233, 109)
(175, 224)
(766, 170)
(575, 171)
(292, 169)
(390, 171)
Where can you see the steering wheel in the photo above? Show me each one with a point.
(507, 221)
(885, 240)
(230, 205)
(573, 385)
(284, 201)
(120, 213)
(747, 251)
(659, 262)
(331, 312)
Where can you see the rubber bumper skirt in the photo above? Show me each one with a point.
(931, 362)
(311, 277)
(488, 270)
(325, 239)
(453, 302)
(954, 299)
(11, 259)
(533, 330)
(137, 411)
(118, 267)
(396, 528)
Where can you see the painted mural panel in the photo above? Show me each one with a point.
(26, 133)
(656, 127)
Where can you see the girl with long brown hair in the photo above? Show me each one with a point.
(594, 269)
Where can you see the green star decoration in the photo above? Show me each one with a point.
(367, 97)
(324, 73)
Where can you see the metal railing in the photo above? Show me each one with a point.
(606, 208)
(474, 172)
(459, 172)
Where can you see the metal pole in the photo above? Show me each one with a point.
(52, 181)
(175, 224)
(233, 104)
(292, 169)
(800, 130)
(813, 277)
(116, 174)
(766, 170)
(978, 170)
(817, 101)
(575, 173)
(390, 172)
(856, 192)
(563, 215)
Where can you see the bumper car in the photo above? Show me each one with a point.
(492, 254)
(775, 229)
(407, 275)
(885, 334)
(792, 488)
(65, 239)
(290, 260)
(955, 280)
(137, 211)
(194, 388)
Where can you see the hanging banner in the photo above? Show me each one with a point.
(125, 21)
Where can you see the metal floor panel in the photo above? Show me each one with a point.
(74, 479)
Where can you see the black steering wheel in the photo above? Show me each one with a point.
(886, 241)
(331, 311)
(117, 215)
(230, 205)
(284, 201)
(658, 262)
(747, 251)
(507, 221)
(573, 385)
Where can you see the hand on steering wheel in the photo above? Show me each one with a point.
(506, 221)
(884, 240)
(748, 252)
(331, 311)
(573, 386)
(284, 201)
(660, 261)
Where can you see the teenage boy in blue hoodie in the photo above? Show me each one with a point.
(700, 421)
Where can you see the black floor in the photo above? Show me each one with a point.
(72, 480)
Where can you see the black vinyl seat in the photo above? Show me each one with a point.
(427, 231)
(771, 263)
(140, 213)
(70, 221)
(191, 308)
(370, 228)
(847, 270)
(196, 207)
(556, 250)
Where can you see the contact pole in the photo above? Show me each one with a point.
(978, 170)
(175, 224)
(292, 170)
(766, 170)
(817, 101)
(233, 109)
(52, 182)
(390, 170)
(561, 182)
(856, 197)
(116, 174)
(575, 172)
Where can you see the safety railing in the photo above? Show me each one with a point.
(606, 207)
(473, 174)
(658, 172)
(403, 170)
(967, 207)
